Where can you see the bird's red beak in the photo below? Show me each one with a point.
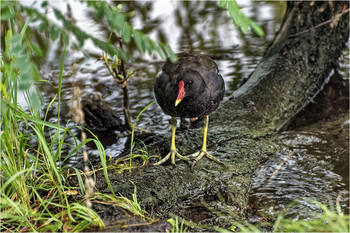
(181, 93)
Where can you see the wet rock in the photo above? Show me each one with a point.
(98, 114)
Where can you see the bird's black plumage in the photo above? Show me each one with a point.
(204, 86)
(190, 87)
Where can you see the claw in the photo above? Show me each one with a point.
(200, 154)
(171, 154)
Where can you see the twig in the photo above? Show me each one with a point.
(116, 72)
(280, 166)
(126, 103)
(321, 24)
(337, 204)
(125, 87)
(78, 117)
(136, 224)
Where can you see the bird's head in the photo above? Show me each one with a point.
(186, 88)
(181, 93)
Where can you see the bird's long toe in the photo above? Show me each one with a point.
(172, 155)
(200, 154)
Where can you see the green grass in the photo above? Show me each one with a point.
(35, 193)
(131, 205)
(176, 225)
(143, 154)
(329, 220)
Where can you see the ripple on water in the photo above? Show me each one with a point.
(318, 169)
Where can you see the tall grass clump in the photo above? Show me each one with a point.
(35, 195)
(328, 220)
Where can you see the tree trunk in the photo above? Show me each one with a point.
(293, 70)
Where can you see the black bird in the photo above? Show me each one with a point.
(190, 87)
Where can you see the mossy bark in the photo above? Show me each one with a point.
(292, 71)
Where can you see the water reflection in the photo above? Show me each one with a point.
(191, 25)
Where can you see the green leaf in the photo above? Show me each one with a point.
(25, 81)
(171, 221)
(43, 26)
(122, 55)
(64, 37)
(37, 50)
(25, 26)
(244, 25)
(120, 21)
(168, 52)
(44, 4)
(126, 33)
(54, 32)
(116, 20)
(149, 45)
(81, 36)
(160, 51)
(35, 102)
(256, 28)
(68, 25)
(15, 44)
(100, 12)
(7, 14)
(239, 19)
(75, 46)
(104, 46)
(139, 41)
(6, 4)
(234, 13)
(173, 57)
(119, 6)
(58, 14)
(35, 19)
(222, 3)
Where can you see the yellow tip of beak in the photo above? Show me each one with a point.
(177, 102)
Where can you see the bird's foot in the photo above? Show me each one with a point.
(200, 154)
(172, 154)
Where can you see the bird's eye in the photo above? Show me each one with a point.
(190, 82)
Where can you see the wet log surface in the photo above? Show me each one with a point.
(241, 132)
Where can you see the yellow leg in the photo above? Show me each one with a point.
(173, 152)
(204, 151)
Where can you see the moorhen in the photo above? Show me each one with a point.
(190, 87)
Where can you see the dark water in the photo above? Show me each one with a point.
(200, 26)
(195, 26)
(318, 170)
